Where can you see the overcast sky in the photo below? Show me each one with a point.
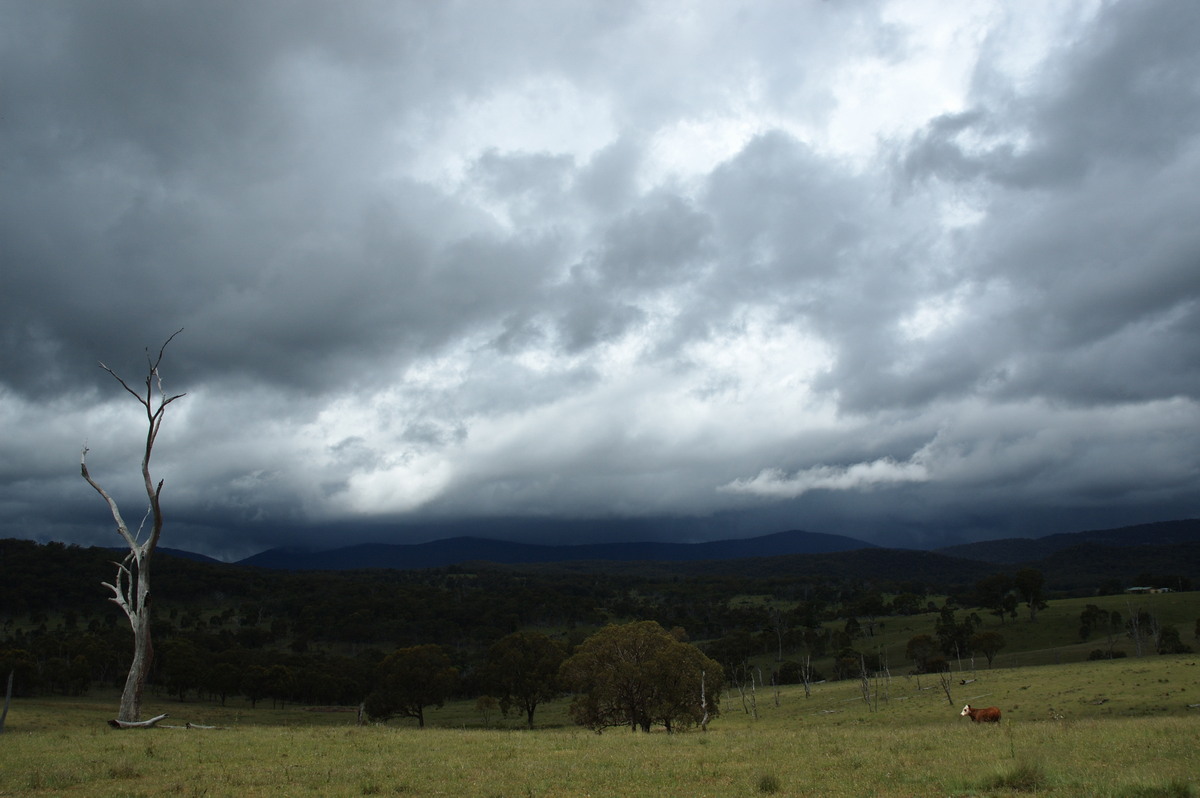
(909, 271)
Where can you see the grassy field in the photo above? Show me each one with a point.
(1112, 728)
(1053, 639)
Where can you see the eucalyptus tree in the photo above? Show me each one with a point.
(131, 588)
(639, 674)
(410, 679)
(522, 669)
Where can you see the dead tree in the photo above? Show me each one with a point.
(806, 675)
(7, 701)
(779, 626)
(131, 588)
(864, 681)
(944, 681)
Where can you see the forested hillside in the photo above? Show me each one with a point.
(320, 637)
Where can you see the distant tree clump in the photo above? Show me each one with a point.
(1030, 583)
(953, 635)
(994, 593)
(1093, 619)
(920, 649)
(638, 675)
(988, 643)
(792, 672)
(1170, 641)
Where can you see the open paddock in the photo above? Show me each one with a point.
(1118, 728)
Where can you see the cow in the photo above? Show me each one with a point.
(982, 715)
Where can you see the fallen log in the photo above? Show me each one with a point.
(136, 724)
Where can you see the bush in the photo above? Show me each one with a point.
(789, 672)
(1025, 777)
(768, 783)
(937, 665)
(1169, 641)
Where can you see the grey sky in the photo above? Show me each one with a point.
(907, 271)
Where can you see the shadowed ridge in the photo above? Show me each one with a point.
(454, 551)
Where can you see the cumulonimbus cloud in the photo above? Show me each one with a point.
(777, 484)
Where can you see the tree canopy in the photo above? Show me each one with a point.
(522, 670)
(637, 675)
(409, 680)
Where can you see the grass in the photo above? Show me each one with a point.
(1057, 738)
(1053, 639)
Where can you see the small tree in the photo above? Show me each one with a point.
(1091, 618)
(1171, 642)
(409, 680)
(954, 636)
(1140, 626)
(920, 648)
(989, 643)
(485, 705)
(1030, 582)
(522, 669)
(131, 588)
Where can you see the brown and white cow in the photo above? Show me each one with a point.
(982, 715)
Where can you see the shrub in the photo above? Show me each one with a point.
(937, 665)
(1025, 777)
(768, 783)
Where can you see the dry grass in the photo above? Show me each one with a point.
(1120, 729)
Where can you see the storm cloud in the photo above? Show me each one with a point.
(898, 270)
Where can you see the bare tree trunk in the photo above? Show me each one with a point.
(864, 680)
(131, 588)
(944, 679)
(7, 701)
(778, 622)
(1135, 628)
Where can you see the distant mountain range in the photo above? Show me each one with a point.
(1010, 551)
(454, 551)
(466, 549)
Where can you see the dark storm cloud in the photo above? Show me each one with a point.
(585, 260)
(1087, 230)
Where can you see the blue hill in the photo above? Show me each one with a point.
(452, 551)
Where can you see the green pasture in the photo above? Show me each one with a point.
(1050, 640)
(1110, 728)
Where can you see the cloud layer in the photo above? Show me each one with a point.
(878, 268)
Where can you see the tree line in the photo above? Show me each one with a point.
(224, 631)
